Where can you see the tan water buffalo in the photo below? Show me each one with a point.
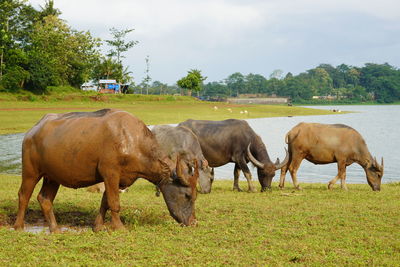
(182, 141)
(235, 141)
(80, 149)
(329, 143)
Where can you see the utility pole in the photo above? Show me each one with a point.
(147, 79)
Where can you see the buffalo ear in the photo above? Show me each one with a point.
(165, 171)
(179, 172)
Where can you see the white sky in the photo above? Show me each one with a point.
(221, 37)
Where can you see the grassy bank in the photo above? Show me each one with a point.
(18, 113)
(312, 227)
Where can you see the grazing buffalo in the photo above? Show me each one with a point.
(182, 141)
(234, 141)
(328, 143)
(80, 149)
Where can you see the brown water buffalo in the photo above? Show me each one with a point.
(329, 143)
(80, 149)
(182, 141)
(234, 141)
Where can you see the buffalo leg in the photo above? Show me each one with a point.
(30, 178)
(283, 175)
(236, 174)
(111, 182)
(247, 174)
(99, 222)
(46, 196)
(341, 175)
(293, 168)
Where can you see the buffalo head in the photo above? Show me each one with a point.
(374, 173)
(266, 171)
(180, 193)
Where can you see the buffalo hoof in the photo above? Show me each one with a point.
(18, 227)
(266, 189)
(118, 227)
(98, 228)
(252, 190)
(237, 189)
(55, 230)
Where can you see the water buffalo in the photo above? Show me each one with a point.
(80, 149)
(234, 141)
(182, 141)
(329, 143)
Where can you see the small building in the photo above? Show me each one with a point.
(89, 86)
(109, 87)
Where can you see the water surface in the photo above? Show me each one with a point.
(379, 125)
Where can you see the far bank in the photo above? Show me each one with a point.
(18, 113)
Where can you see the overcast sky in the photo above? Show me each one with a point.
(220, 37)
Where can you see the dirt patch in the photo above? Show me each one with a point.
(99, 98)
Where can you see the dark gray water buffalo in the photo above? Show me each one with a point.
(182, 141)
(80, 149)
(329, 143)
(234, 141)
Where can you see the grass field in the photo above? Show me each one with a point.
(19, 116)
(312, 227)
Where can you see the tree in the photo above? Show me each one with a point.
(382, 80)
(59, 55)
(192, 81)
(321, 81)
(256, 83)
(216, 89)
(16, 22)
(118, 44)
(277, 74)
(275, 86)
(49, 10)
(235, 83)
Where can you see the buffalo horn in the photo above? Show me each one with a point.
(253, 159)
(284, 162)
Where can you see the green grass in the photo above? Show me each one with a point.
(312, 227)
(18, 113)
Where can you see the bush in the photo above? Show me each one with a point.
(14, 79)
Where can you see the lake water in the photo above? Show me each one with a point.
(378, 125)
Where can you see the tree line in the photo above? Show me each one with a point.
(372, 82)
